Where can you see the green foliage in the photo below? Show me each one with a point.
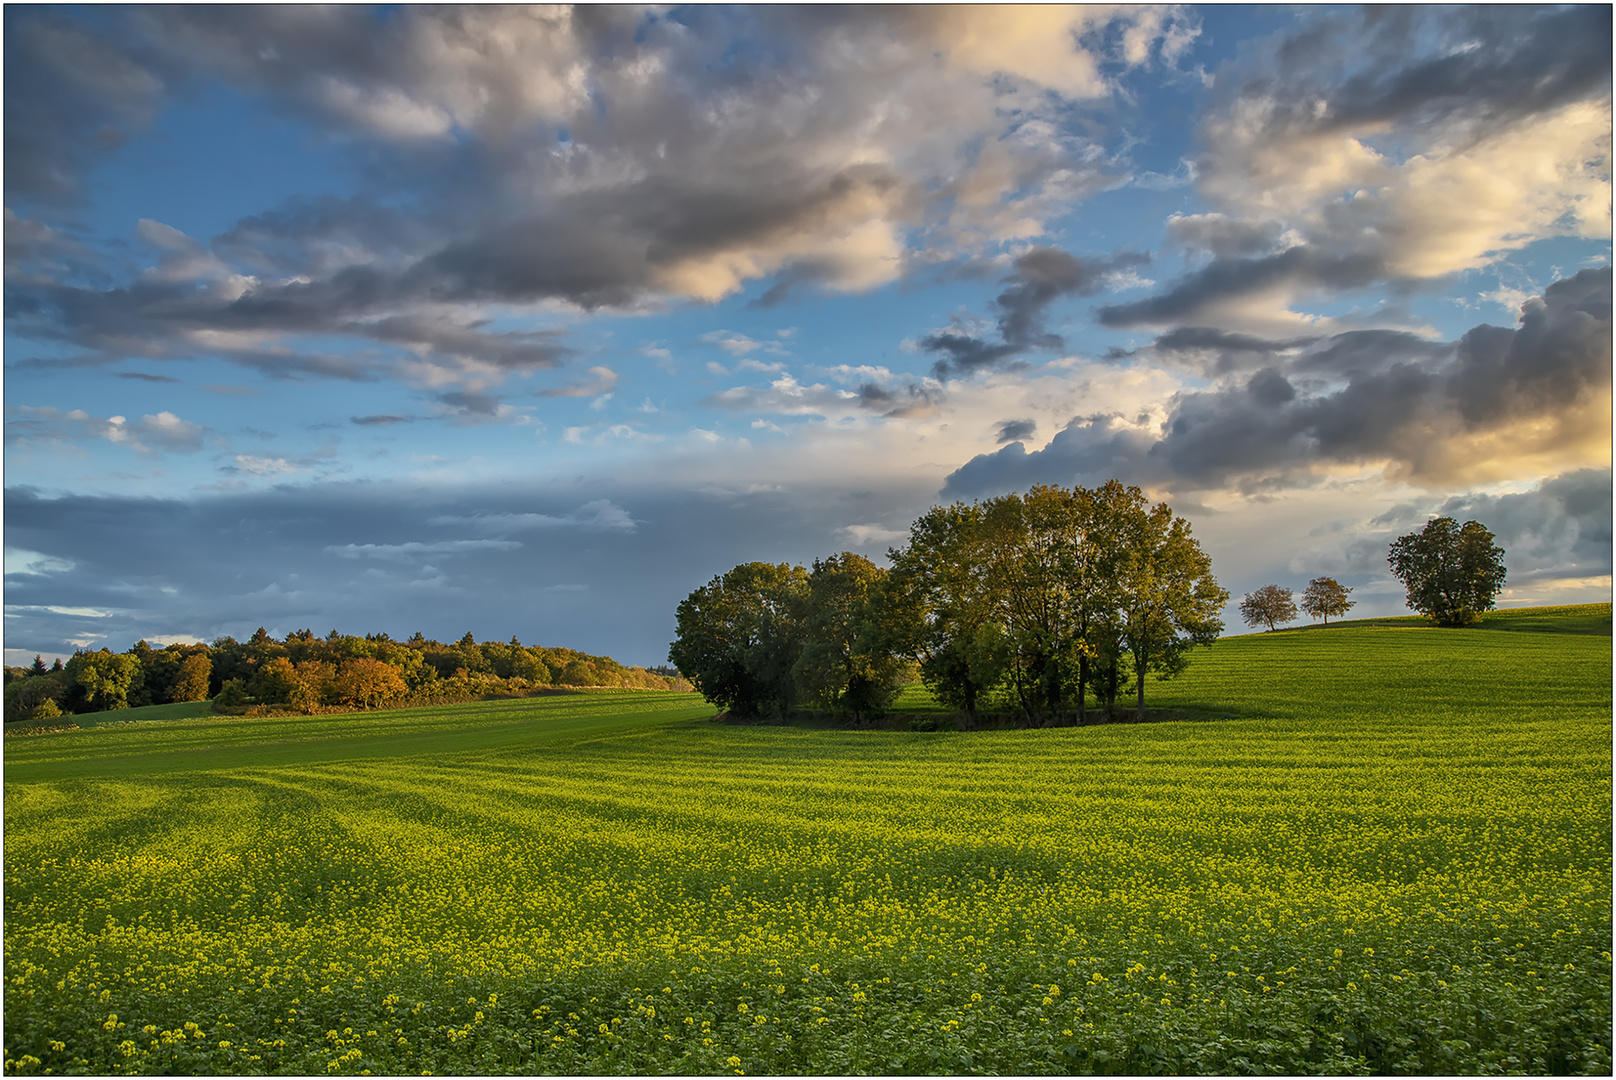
(740, 635)
(1452, 573)
(26, 695)
(1394, 858)
(104, 677)
(843, 665)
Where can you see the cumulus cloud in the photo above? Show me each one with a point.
(1483, 408)
(1389, 147)
(526, 160)
(1561, 529)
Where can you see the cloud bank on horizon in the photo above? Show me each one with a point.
(529, 321)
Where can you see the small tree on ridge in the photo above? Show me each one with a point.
(1268, 605)
(1325, 596)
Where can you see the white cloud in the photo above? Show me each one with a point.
(415, 549)
(23, 561)
(600, 515)
(149, 434)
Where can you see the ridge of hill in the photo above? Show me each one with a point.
(1556, 619)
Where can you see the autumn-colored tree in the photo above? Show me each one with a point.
(1325, 596)
(1267, 606)
(365, 683)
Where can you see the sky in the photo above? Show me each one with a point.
(528, 322)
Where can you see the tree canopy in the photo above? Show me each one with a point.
(303, 673)
(1267, 606)
(1029, 601)
(1325, 596)
(1452, 572)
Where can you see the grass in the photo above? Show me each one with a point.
(1564, 619)
(186, 710)
(1396, 858)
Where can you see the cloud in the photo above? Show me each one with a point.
(1489, 405)
(536, 162)
(1015, 430)
(19, 561)
(603, 382)
(595, 516)
(1041, 276)
(301, 556)
(72, 96)
(869, 535)
(414, 549)
(1389, 147)
(151, 433)
(1561, 529)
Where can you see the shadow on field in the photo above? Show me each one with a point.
(960, 721)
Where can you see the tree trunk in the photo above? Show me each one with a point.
(1082, 688)
(1139, 683)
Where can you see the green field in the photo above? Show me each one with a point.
(1394, 855)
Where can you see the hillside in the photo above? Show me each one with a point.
(1389, 828)
(1564, 619)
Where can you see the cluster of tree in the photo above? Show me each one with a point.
(1274, 604)
(306, 674)
(1028, 602)
(1451, 572)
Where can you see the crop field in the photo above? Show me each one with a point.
(1388, 849)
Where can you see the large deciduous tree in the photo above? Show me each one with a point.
(104, 677)
(940, 610)
(843, 664)
(1169, 600)
(1325, 596)
(739, 636)
(1267, 606)
(1452, 572)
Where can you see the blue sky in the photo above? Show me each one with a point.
(529, 322)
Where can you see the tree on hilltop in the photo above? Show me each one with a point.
(1452, 572)
(1325, 596)
(1268, 605)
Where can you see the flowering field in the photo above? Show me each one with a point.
(1388, 851)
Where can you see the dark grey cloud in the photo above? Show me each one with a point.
(1430, 409)
(399, 558)
(141, 376)
(1041, 276)
(1229, 279)
(1560, 530)
(902, 399)
(380, 420)
(74, 93)
(1493, 64)
(1015, 430)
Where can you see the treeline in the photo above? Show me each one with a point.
(1033, 604)
(308, 674)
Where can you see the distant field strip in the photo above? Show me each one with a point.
(1395, 856)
